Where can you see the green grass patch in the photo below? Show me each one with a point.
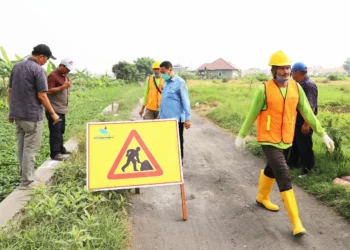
(66, 215)
(234, 103)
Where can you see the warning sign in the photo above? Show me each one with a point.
(133, 154)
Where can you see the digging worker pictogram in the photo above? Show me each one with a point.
(275, 106)
(133, 156)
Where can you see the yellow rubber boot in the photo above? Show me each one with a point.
(292, 208)
(265, 187)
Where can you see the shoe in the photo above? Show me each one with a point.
(65, 151)
(29, 186)
(290, 203)
(265, 187)
(307, 170)
(60, 157)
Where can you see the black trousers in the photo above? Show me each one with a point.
(277, 167)
(56, 135)
(181, 134)
(302, 149)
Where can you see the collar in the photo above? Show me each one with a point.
(173, 78)
(32, 59)
(305, 79)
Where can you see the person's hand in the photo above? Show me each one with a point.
(67, 84)
(55, 118)
(240, 143)
(141, 111)
(11, 120)
(305, 129)
(329, 143)
(187, 124)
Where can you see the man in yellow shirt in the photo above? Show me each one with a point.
(152, 94)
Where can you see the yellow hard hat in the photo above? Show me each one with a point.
(279, 58)
(156, 65)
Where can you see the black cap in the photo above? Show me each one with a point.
(44, 50)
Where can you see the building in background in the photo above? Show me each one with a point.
(219, 69)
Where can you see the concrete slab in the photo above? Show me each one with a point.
(15, 201)
(113, 108)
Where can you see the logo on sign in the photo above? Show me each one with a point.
(104, 134)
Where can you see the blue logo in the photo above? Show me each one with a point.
(103, 131)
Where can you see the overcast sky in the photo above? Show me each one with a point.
(98, 33)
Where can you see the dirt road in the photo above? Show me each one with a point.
(221, 185)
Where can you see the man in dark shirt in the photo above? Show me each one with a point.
(59, 84)
(302, 144)
(26, 95)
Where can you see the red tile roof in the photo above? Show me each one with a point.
(219, 64)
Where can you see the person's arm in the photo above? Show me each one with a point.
(308, 114)
(11, 120)
(186, 104)
(137, 158)
(145, 94)
(255, 109)
(46, 103)
(312, 98)
(51, 82)
(159, 95)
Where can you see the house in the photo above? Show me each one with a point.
(178, 68)
(325, 72)
(219, 69)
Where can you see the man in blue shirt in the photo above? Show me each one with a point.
(302, 144)
(175, 101)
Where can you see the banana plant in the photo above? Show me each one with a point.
(50, 67)
(6, 65)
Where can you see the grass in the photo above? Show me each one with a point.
(83, 106)
(227, 104)
(66, 215)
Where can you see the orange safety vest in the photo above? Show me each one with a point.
(154, 97)
(277, 122)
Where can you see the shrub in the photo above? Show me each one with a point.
(224, 79)
(336, 77)
(262, 77)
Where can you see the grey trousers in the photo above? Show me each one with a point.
(277, 167)
(150, 115)
(28, 140)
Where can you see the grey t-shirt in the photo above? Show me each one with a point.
(27, 79)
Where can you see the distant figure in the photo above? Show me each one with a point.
(152, 94)
(59, 84)
(175, 101)
(133, 156)
(27, 96)
(302, 143)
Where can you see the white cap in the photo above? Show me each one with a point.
(68, 63)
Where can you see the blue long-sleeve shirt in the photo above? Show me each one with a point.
(175, 101)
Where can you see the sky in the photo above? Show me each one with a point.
(98, 34)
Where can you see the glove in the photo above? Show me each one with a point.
(329, 142)
(240, 143)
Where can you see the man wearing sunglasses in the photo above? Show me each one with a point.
(59, 84)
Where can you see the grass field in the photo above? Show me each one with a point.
(227, 104)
